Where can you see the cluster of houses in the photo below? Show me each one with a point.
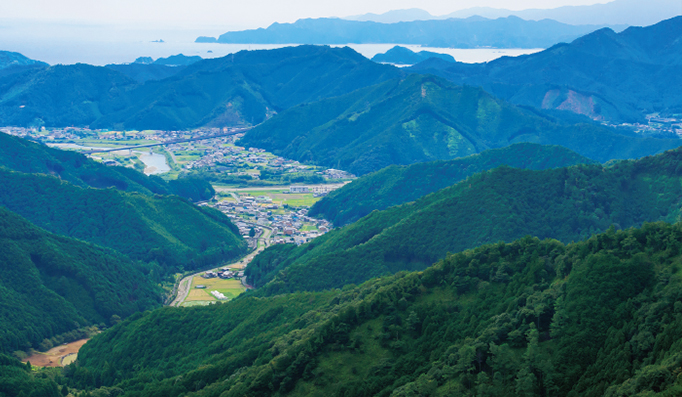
(337, 174)
(223, 273)
(288, 228)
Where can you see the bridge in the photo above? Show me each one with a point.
(199, 138)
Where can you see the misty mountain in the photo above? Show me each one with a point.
(511, 32)
(604, 75)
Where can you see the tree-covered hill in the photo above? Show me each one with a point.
(602, 317)
(425, 118)
(619, 77)
(166, 229)
(404, 56)
(395, 185)
(24, 156)
(242, 88)
(51, 285)
(567, 204)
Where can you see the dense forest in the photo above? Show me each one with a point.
(168, 230)
(531, 318)
(22, 155)
(395, 185)
(242, 88)
(620, 77)
(425, 118)
(52, 284)
(568, 204)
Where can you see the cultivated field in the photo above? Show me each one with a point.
(54, 356)
(230, 288)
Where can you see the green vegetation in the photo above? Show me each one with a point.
(17, 379)
(425, 118)
(164, 229)
(395, 185)
(619, 77)
(239, 89)
(52, 284)
(568, 204)
(24, 156)
(594, 318)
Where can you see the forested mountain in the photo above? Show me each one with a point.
(601, 317)
(165, 229)
(425, 118)
(24, 156)
(395, 185)
(604, 75)
(246, 87)
(13, 62)
(16, 380)
(474, 32)
(141, 72)
(404, 56)
(52, 284)
(568, 204)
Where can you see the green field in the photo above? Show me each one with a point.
(230, 288)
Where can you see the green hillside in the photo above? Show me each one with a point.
(618, 77)
(242, 88)
(166, 229)
(24, 156)
(531, 318)
(567, 204)
(395, 185)
(425, 118)
(51, 284)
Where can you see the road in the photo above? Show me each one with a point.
(285, 187)
(201, 138)
(185, 284)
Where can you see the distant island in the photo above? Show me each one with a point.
(158, 41)
(474, 32)
(404, 56)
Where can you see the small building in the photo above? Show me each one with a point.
(299, 189)
(200, 286)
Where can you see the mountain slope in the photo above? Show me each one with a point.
(28, 157)
(395, 185)
(594, 318)
(604, 75)
(52, 284)
(165, 229)
(242, 88)
(511, 32)
(425, 118)
(504, 204)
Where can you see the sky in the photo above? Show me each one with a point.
(228, 14)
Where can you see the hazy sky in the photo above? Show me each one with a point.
(238, 14)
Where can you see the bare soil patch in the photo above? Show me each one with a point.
(54, 356)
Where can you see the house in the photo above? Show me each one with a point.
(299, 189)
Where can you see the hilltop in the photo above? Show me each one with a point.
(567, 204)
(618, 77)
(404, 56)
(395, 184)
(425, 118)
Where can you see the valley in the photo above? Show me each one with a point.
(300, 220)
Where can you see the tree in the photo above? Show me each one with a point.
(252, 232)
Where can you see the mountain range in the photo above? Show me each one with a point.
(425, 118)
(474, 32)
(396, 184)
(243, 88)
(618, 12)
(603, 75)
(566, 204)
